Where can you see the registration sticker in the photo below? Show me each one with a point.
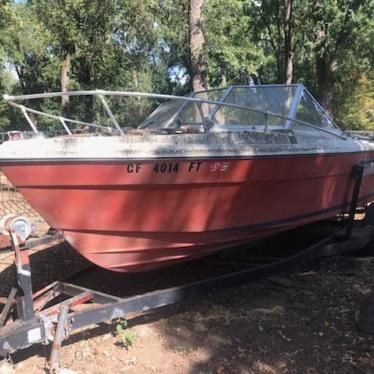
(219, 166)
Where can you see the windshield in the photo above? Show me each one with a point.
(266, 105)
(184, 112)
(274, 99)
(310, 111)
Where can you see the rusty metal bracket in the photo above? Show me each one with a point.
(25, 307)
(60, 335)
(8, 306)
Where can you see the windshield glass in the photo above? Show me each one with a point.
(184, 112)
(309, 111)
(195, 113)
(274, 99)
(272, 105)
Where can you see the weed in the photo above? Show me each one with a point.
(126, 337)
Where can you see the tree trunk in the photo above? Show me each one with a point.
(196, 41)
(325, 71)
(223, 79)
(64, 80)
(288, 41)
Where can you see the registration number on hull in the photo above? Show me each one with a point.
(176, 167)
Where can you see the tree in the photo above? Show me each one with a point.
(5, 10)
(196, 42)
(356, 110)
(333, 31)
(231, 50)
(170, 46)
(100, 43)
(272, 28)
(288, 40)
(75, 25)
(25, 44)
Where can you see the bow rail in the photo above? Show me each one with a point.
(100, 94)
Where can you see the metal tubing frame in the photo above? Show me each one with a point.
(358, 171)
(25, 305)
(25, 109)
(357, 174)
(222, 100)
(11, 100)
(65, 126)
(295, 104)
(33, 243)
(8, 306)
(110, 114)
(28, 119)
(62, 324)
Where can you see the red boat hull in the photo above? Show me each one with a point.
(139, 215)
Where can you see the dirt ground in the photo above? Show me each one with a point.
(303, 324)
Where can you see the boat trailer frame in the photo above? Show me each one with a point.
(41, 321)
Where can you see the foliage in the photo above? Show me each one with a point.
(356, 110)
(336, 42)
(143, 45)
(230, 53)
(126, 337)
(266, 29)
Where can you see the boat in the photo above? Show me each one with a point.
(203, 172)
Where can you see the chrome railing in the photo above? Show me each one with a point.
(101, 94)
